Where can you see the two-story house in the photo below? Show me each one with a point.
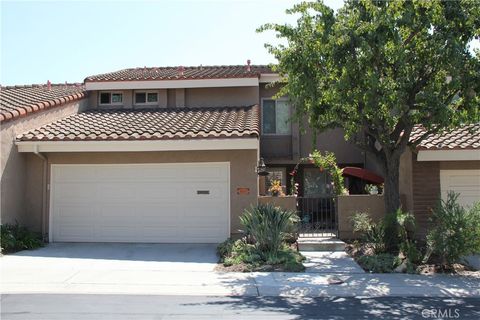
(167, 155)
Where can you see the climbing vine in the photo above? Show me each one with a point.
(327, 162)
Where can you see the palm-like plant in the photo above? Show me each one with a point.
(268, 226)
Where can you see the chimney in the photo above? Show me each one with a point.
(181, 71)
(49, 85)
(248, 65)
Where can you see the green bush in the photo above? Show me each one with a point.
(15, 238)
(455, 232)
(376, 233)
(380, 263)
(268, 226)
(372, 233)
(239, 252)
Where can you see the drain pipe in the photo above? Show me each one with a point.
(44, 191)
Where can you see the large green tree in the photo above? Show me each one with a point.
(378, 68)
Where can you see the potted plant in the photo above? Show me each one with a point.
(276, 189)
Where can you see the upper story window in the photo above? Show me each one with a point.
(146, 97)
(111, 98)
(275, 117)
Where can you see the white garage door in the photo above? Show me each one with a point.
(464, 182)
(187, 203)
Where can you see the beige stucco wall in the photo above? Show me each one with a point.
(287, 203)
(350, 204)
(242, 173)
(220, 97)
(15, 168)
(191, 97)
(128, 100)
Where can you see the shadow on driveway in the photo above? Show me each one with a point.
(197, 253)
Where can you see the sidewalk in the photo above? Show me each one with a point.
(103, 281)
(186, 270)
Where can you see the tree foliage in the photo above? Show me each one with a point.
(378, 68)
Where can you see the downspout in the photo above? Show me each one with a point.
(44, 191)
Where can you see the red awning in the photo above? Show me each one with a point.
(363, 174)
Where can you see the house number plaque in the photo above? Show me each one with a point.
(243, 191)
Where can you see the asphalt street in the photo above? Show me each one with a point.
(149, 307)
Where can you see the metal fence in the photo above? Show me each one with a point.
(318, 217)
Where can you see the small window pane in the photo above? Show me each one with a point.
(105, 98)
(283, 117)
(315, 183)
(140, 97)
(275, 174)
(268, 117)
(116, 97)
(152, 97)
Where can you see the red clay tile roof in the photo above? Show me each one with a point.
(18, 101)
(149, 124)
(465, 137)
(175, 73)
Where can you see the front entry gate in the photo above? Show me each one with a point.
(318, 216)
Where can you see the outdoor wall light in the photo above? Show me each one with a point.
(261, 168)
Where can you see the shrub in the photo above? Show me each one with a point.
(376, 234)
(14, 238)
(372, 233)
(268, 226)
(455, 232)
(239, 252)
(380, 263)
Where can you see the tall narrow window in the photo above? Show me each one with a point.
(276, 117)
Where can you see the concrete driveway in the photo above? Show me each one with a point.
(106, 267)
(160, 257)
(179, 269)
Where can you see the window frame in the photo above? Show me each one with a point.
(146, 103)
(284, 177)
(110, 103)
(289, 114)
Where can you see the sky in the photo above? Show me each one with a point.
(68, 41)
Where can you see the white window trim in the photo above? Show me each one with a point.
(146, 103)
(290, 115)
(111, 103)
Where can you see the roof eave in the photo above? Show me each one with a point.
(244, 143)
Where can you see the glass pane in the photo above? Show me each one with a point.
(315, 183)
(275, 174)
(152, 97)
(104, 98)
(116, 97)
(140, 97)
(268, 116)
(283, 118)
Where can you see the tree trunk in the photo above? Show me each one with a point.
(392, 188)
(392, 199)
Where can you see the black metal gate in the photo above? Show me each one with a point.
(318, 216)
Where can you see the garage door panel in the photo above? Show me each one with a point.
(139, 173)
(140, 203)
(81, 173)
(202, 191)
(74, 192)
(464, 182)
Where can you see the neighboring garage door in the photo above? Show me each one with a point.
(183, 203)
(464, 182)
